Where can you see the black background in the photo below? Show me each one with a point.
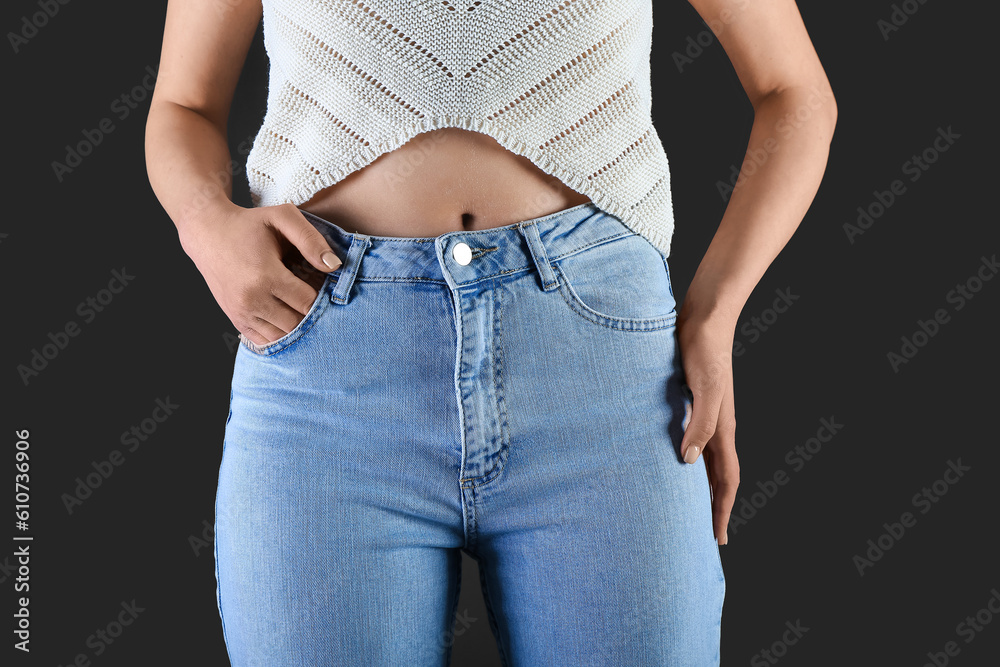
(163, 337)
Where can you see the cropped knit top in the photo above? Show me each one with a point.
(564, 83)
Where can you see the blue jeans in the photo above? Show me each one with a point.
(515, 393)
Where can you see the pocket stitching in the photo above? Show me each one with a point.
(578, 306)
(318, 307)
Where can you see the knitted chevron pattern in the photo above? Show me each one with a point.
(565, 84)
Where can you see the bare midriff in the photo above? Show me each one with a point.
(441, 181)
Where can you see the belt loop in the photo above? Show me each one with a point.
(548, 277)
(342, 291)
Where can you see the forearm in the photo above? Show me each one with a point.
(772, 195)
(188, 164)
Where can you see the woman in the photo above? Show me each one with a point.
(458, 329)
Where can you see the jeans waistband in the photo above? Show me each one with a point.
(521, 246)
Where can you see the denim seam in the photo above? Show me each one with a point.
(472, 532)
(409, 239)
(479, 252)
(498, 382)
(670, 282)
(399, 279)
(502, 453)
(215, 553)
(301, 330)
(618, 323)
(591, 244)
(552, 259)
(218, 595)
(406, 279)
(469, 482)
(498, 274)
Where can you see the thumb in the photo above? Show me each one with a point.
(703, 421)
(306, 238)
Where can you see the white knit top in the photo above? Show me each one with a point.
(564, 83)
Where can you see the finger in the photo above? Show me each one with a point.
(262, 332)
(253, 336)
(283, 317)
(290, 222)
(708, 472)
(295, 293)
(724, 467)
(275, 320)
(708, 390)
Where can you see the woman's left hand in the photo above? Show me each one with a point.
(794, 114)
(706, 343)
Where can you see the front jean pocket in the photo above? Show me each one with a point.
(316, 310)
(623, 283)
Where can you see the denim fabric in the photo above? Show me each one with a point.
(525, 407)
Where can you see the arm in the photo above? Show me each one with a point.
(794, 118)
(238, 251)
(187, 155)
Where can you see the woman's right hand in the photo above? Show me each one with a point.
(248, 257)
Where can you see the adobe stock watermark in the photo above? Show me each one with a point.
(422, 147)
(779, 647)
(221, 179)
(104, 637)
(695, 45)
(758, 324)
(915, 167)
(898, 16)
(40, 358)
(923, 500)
(204, 539)
(968, 629)
(957, 297)
(784, 127)
(22, 616)
(33, 23)
(463, 621)
(132, 439)
(412, 160)
(121, 108)
(231, 341)
(796, 458)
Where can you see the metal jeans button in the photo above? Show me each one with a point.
(462, 253)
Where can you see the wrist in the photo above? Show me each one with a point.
(712, 303)
(204, 211)
(196, 221)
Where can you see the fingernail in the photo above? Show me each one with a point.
(692, 454)
(330, 259)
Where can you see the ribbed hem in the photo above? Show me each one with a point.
(263, 192)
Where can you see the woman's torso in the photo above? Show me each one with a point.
(440, 181)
